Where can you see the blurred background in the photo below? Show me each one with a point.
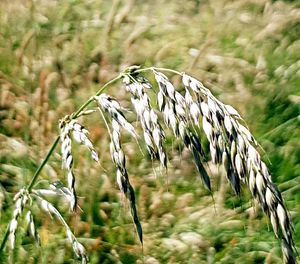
(56, 54)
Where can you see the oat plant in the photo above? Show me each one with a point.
(190, 112)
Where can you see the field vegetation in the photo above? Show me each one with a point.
(54, 55)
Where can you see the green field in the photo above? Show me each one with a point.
(54, 55)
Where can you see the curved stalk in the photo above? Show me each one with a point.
(39, 169)
(157, 69)
(82, 107)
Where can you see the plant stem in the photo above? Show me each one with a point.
(39, 169)
(5, 238)
(158, 69)
(55, 143)
(77, 113)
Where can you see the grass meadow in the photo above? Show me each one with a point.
(54, 55)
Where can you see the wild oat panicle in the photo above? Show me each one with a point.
(178, 114)
(188, 115)
(232, 145)
(154, 135)
(67, 161)
(118, 120)
(80, 135)
(31, 227)
(21, 198)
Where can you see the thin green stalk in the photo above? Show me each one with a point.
(167, 70)
(4, 238)
(77, 113)
(39, 169)
(55, 143)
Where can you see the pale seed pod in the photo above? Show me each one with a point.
(180, 111)
(180, 100)
(274, 222)
(204, 109)
(252, 182)
(148, 140)
(160, 100)
(282, 217)
(231, 111)
(228, 124)
(195, 113)
(211, 105)
(153, 117)
(185, 80)
(270, 198)
(157, 137)
(207, 128)
(32, 228)
(12, 232)
(138, 106)
(233, 150)
(188, 98)
(170, 90)
(260, 183)
(239, 166)
(146, 116)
